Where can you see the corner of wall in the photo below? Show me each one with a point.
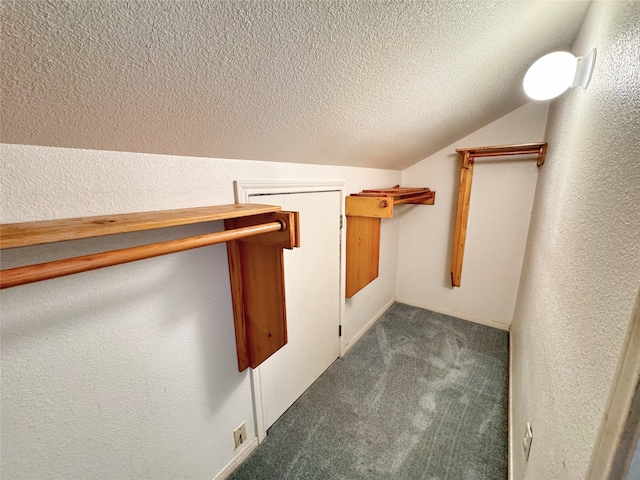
(498, 223)
(579, 273)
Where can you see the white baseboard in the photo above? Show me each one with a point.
(366, 328)
(454, 313)
(238, 459)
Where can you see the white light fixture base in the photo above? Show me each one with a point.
(584, 69)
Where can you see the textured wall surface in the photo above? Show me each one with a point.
(500, 207)
(582, 266)
(130, 372)
(361, 83)
(634, 469)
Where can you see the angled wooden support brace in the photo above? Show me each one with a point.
(464, 192)
(462, 216)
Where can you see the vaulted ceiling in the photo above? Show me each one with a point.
(346, 82)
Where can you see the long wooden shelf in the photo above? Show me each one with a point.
(36, 233)
(255, 236)
(364, 212)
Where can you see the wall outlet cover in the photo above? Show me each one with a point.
(240, 435)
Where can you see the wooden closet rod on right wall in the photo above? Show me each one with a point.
(464, 192)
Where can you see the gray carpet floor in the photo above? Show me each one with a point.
(420, 396)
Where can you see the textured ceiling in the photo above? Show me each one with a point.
(362, 83)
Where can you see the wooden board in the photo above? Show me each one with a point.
(256, 273)
(428, 198)
(377, 206)
(363, 252)
(394, 192)
(379, 203)
(286, 238)
(462, 216)
(49, 231)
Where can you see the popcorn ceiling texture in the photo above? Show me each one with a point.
(360, 83)
(582, 265)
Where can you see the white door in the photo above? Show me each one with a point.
(312, 289)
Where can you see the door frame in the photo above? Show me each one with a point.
(620, 425)
(244, 191)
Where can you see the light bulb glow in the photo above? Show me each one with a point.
(550, 75)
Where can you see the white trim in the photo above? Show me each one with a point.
(243, 191)
(611, 441)
(237, 460)
(247, 188)
(510, 443)
(258, 405)
(365, 329)
(455, 313)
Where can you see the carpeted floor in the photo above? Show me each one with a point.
(420, 396)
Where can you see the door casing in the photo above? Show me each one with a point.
(247, 190)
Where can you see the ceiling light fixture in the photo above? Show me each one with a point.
(554, 73)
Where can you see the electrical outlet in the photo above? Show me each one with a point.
(240, 434)
(526, 442)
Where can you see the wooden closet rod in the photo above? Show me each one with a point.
(413, 200)
(44, 271)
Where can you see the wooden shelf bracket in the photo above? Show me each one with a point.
(364, 212)
(464, 192)
(255, 236)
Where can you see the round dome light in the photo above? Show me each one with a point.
(550, 75)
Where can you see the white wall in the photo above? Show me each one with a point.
(130, 372)
(501, 198)
(582, 264)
